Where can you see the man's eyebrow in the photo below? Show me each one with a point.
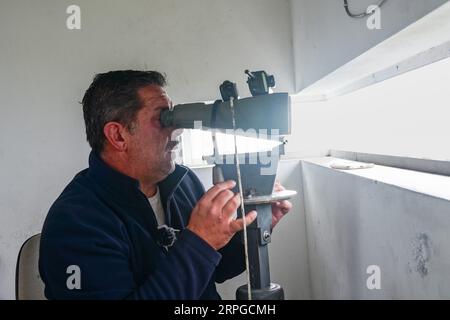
(162, 107)
(153, 98)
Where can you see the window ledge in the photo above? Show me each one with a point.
(434, 185)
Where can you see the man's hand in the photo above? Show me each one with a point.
(279, 208)
(213, 217)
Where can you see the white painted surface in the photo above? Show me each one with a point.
(415, 164)
(423, 42)
(288, 250)
(354, 222)
(403, 116)
(325, 38)
(46, 68)
(426, 183)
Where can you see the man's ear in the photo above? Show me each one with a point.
(116, 134)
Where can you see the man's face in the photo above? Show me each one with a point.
(151, 149)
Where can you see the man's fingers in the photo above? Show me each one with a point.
(278, 187)
(222, 199)
(285, 205)
(238, 225)
(214, 191)
(230, 208)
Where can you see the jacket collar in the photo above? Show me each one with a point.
(126, 189)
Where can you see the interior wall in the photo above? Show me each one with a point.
(355, 222)
(45, 69)
(325, 38)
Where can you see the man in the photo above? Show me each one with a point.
(111, 234)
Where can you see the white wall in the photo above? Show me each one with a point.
(404, 116)
(46, 68)
(325, 37)
(354, 222)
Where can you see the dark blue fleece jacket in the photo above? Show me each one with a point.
(103, 224)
